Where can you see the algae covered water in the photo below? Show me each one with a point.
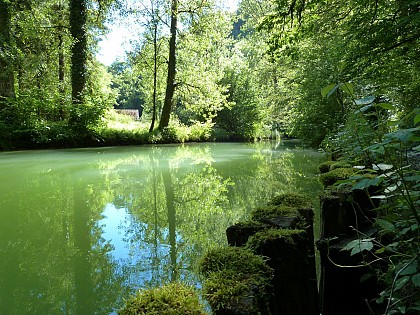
(82, 229)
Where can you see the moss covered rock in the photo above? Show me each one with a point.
(261, 214)
(332, 165)
(238, 234)
(237, 281)
(291, 200)
(170, 299)
(270, 235)
(338, 174)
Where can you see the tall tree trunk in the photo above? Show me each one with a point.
(78, 30)
(155, 46)
(170, 83)
(6, 67)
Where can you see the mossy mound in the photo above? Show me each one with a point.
(233, 258)
(291, 200)
(262, 214)
(238, 234)
(332, 165)
(270, 235)
(236, 279)
(170, 299)
(332, 177)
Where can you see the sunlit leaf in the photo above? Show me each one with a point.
(387, 106)
(359, 245)
(365, 101)
(382, 167)
(328, 90)
(347, 87)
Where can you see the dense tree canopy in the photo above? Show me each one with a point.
(255, 73)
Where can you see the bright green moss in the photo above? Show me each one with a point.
(270, 235)
(241, 260)
(272, 211)
(170, 299)
(332, 177)
(332, 165)
(251, 224)
(236, 278)
(291, 200)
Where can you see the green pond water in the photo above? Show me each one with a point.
(82, 229)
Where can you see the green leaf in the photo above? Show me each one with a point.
(385, 225)
(410, 270)
(401, 282)
(363, 109)
(368, 100)
(404, 135)
(416, 119)
(359, 245)
(416, 280)
(415, 178)
(382, 167)
(367, 182)
(328, 90)
(347, 87)
(387, 106)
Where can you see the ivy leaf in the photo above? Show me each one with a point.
(359, 245)
(410, 270)
(401, 282)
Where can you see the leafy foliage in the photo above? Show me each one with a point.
(398, 215)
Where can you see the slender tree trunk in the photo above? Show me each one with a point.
(152, 126)
(78, 30)
(170, 83)
(6, 69)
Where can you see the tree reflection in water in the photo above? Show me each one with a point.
(82, 229)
